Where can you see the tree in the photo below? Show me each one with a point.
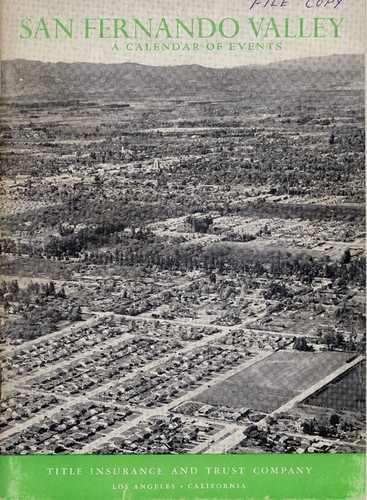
(308, 427)
(323, 430)
(328, 339)
(333, 340)
(334, 419)
(346, 257)
(13, 287)
(300, 344)
(51, 288)
(76, 314)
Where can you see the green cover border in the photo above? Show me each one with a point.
(333, 476)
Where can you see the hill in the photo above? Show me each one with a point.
(30, 78)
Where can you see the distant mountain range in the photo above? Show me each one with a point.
(30, 78)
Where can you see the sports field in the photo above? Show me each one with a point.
(345, 393)
(268, 384)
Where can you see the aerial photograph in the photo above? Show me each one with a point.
(183, 258)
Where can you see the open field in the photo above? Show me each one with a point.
(267, 385)
(347, 392)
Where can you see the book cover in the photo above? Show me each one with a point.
(182, 250)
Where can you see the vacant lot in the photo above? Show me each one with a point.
(269, 384)
(345, 393)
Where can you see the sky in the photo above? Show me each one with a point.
(351, 40)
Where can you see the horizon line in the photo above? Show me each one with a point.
(363, 54)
